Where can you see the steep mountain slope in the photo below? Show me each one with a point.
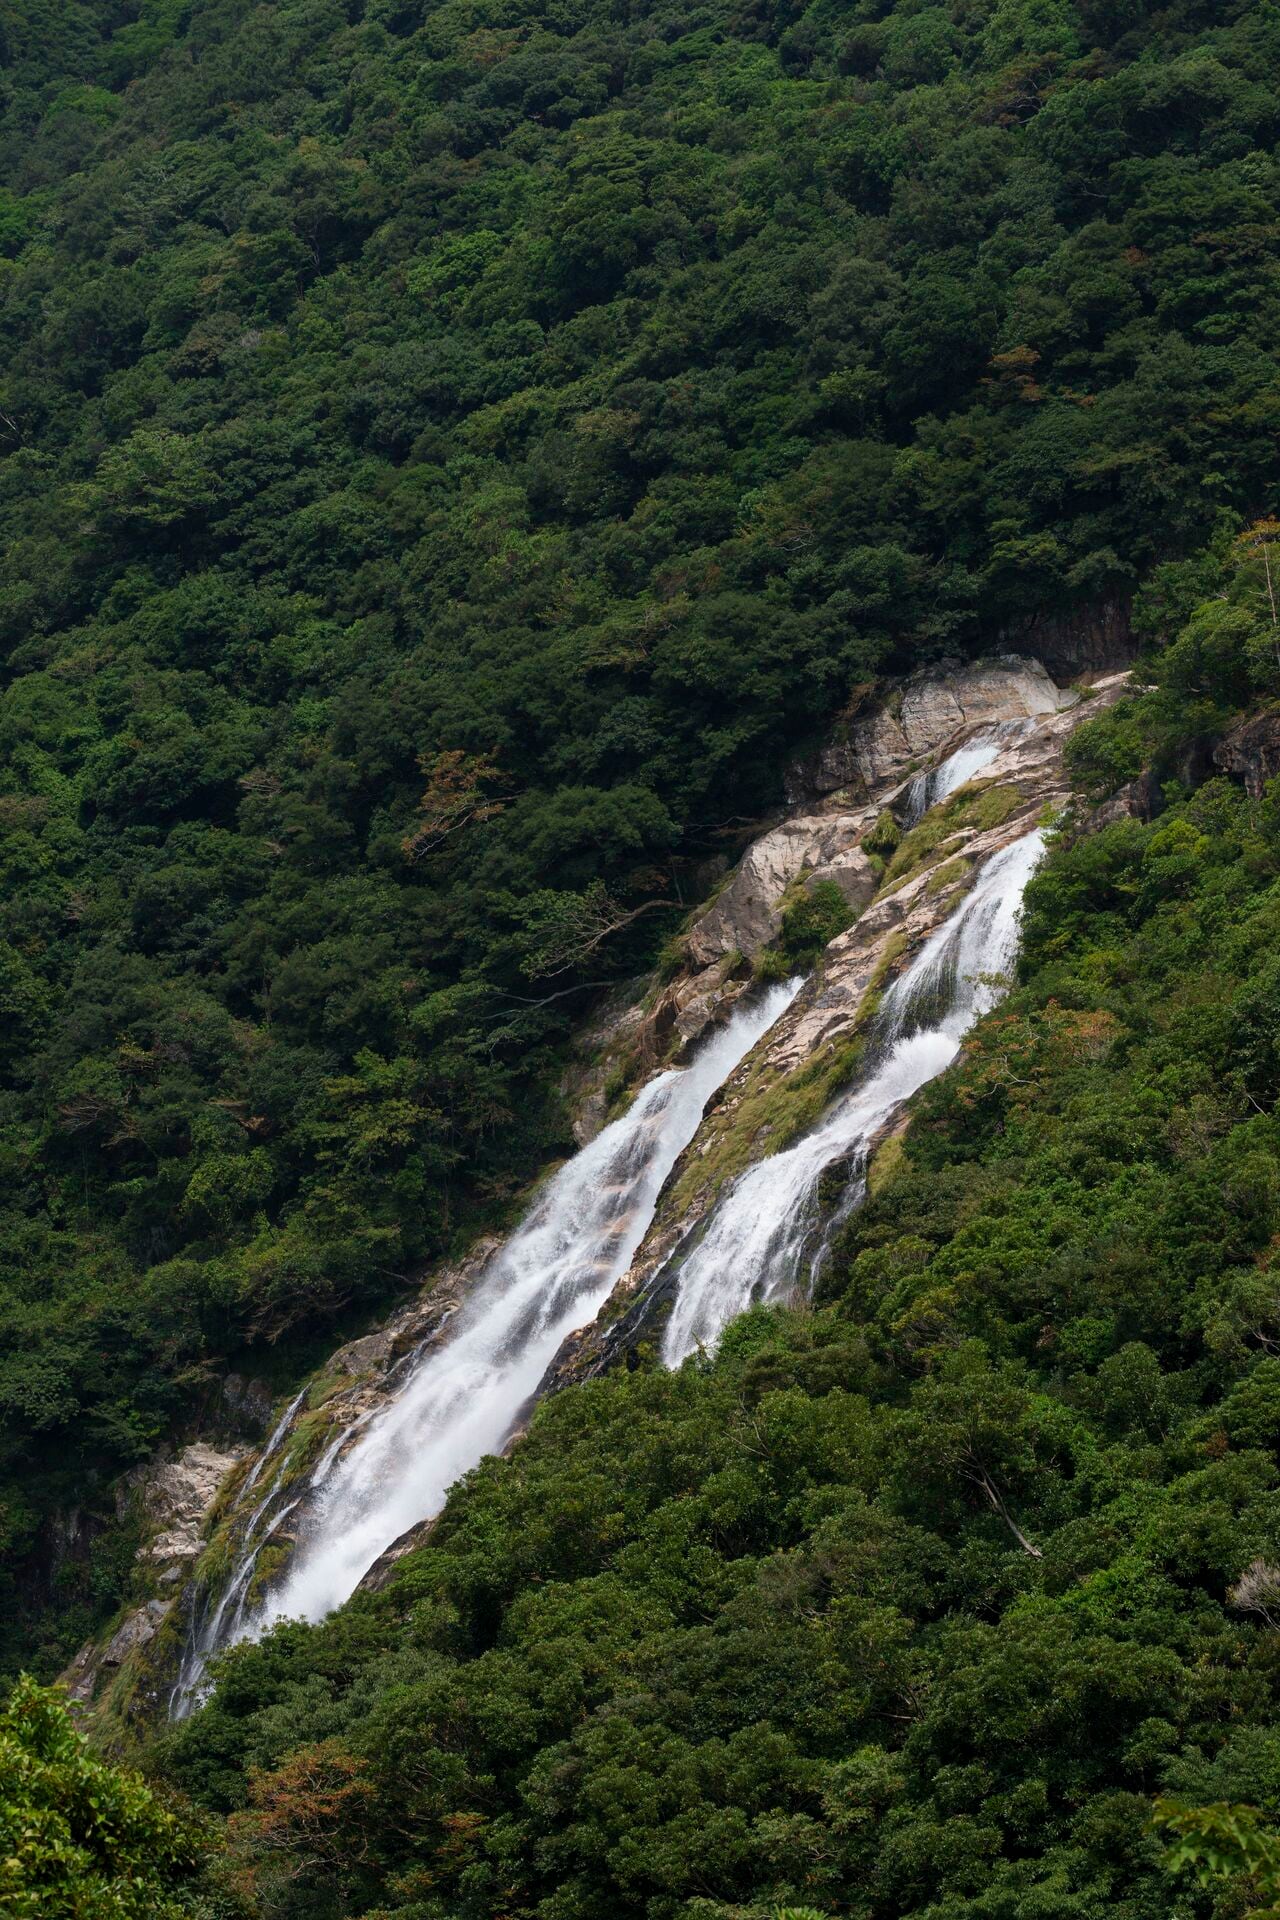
(448, 458)
(906, 1606)
(467, 472)
(957, 771)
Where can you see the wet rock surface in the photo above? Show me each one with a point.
(829, 1010)
(248, 1404)
(94, 1663)
(932, 711)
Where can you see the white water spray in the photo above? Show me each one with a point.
(464, 1395)
(218, 1624)
(760, 1241)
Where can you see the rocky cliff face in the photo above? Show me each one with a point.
(853, 821)
(173, 1498)
(783, 1086)
(1095, 637)
(1251, 752)
(834, 797)
(930, 713)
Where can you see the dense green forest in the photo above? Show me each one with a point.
(909, 1605)
(448, 457)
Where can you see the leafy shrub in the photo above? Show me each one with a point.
(79, 1837)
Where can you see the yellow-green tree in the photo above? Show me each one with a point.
(81, 1839)
(1224, 1842)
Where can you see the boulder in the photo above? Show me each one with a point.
(134, 1631)
(695, 1001)
(361, 1356)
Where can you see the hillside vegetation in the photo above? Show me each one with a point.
(908, 1607)
(448, 457)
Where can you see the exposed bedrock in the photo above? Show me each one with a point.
(173, 1499)
(1005, 718)
(1251, 752)
(930, 710)
(834, 797)
(785, 1083)
(1094, 637)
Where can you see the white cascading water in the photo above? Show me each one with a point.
(760, 1239)
(937, 784)
(220, 1622)
(465, 1394)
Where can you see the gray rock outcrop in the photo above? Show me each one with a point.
(1095, 637)
(933, 709)
(742, 1125)
(1251, 752)
(93, 1663)
(176, 1496)
(747, 915)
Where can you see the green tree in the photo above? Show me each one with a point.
(1223, 1842)
(80, 1839)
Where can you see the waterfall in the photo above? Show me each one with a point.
(938, 783)
(208, 1630)
(760, 1241)
(461, 1397)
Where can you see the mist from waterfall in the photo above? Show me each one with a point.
(462, 1397)
(762, 1241)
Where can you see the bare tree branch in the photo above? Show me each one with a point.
(977, 1473)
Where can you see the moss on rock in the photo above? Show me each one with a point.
(971, 810)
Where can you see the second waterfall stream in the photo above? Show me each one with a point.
(759, 1238)
(464, 1394)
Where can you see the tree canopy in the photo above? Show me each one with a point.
(79, 1839)
(449, 457)
(922, 1604)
